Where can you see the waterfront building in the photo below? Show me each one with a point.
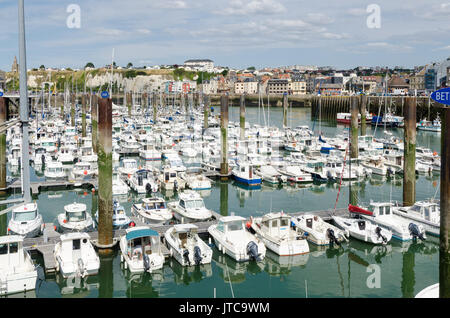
(278, 86)
(248, 86)
(298, 87)
(417, 81)
(398, 86)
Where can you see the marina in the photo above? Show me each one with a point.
(201, 180)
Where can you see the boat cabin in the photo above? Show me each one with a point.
(381, 208)
(25, 213)
(429, 211)
(231, 224)
(74, 246)
(153, 204)
(276, 224)
(182, 232)
(75, 212)
(11, 252)
(191, 200)
(142, 240)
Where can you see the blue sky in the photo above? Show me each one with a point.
(235, 33)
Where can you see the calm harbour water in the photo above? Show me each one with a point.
(405, 268)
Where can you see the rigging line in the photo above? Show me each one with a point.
(229, 280)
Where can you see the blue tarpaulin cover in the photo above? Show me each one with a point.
(141, 233)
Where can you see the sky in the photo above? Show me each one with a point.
(234, 33)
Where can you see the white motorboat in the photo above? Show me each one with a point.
(142, 181)
(381, 213)
(84, 170)
(270, 174)
(65, 155)
(318, 231)
(364, 230)
(196, 182)
(87, 154)
(376, 165)
(152, 211)
(75, 255)
(244, 173)
(232, 238)
(277, 234)
(169, 180)
(429, 292)
(186, 246)
(129, 167)
(190, 208)
(140, 250)
(425, 213)
(120, 218)
(119, 187)
(54, 170)
(295, 174)
(149, 152)
(17, 271)
(75, 218)
(26, 221)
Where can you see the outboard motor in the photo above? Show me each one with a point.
(175, 185)
(197, 255)
(43, 159)
(146, 262)
(186, 256)
(140, 179)
(332, 237)
(252, 251)
(415, 232)
(378, 232)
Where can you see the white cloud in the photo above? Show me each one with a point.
(244, 7)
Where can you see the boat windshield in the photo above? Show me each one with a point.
(76, 216)
(235, 226)
(155, 205)
(24, 216)
(194, 204)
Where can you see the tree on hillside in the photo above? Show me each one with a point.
(129, 65)
(251, 68)
(42, 67)
(90, 64)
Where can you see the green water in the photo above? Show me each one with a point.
(405, 268)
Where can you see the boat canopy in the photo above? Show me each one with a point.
(140, 233)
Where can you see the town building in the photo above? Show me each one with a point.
(203, 65)
(247, 86)
(209, 87)
(417, 82)
(298, 87)
(398, 86)
(179, 86)
(278, 86)
(15, 66)
(2, 81)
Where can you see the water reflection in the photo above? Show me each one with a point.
(105, 274)
(230, 270)
(223, 198)
(185, 275)
(282, 265)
